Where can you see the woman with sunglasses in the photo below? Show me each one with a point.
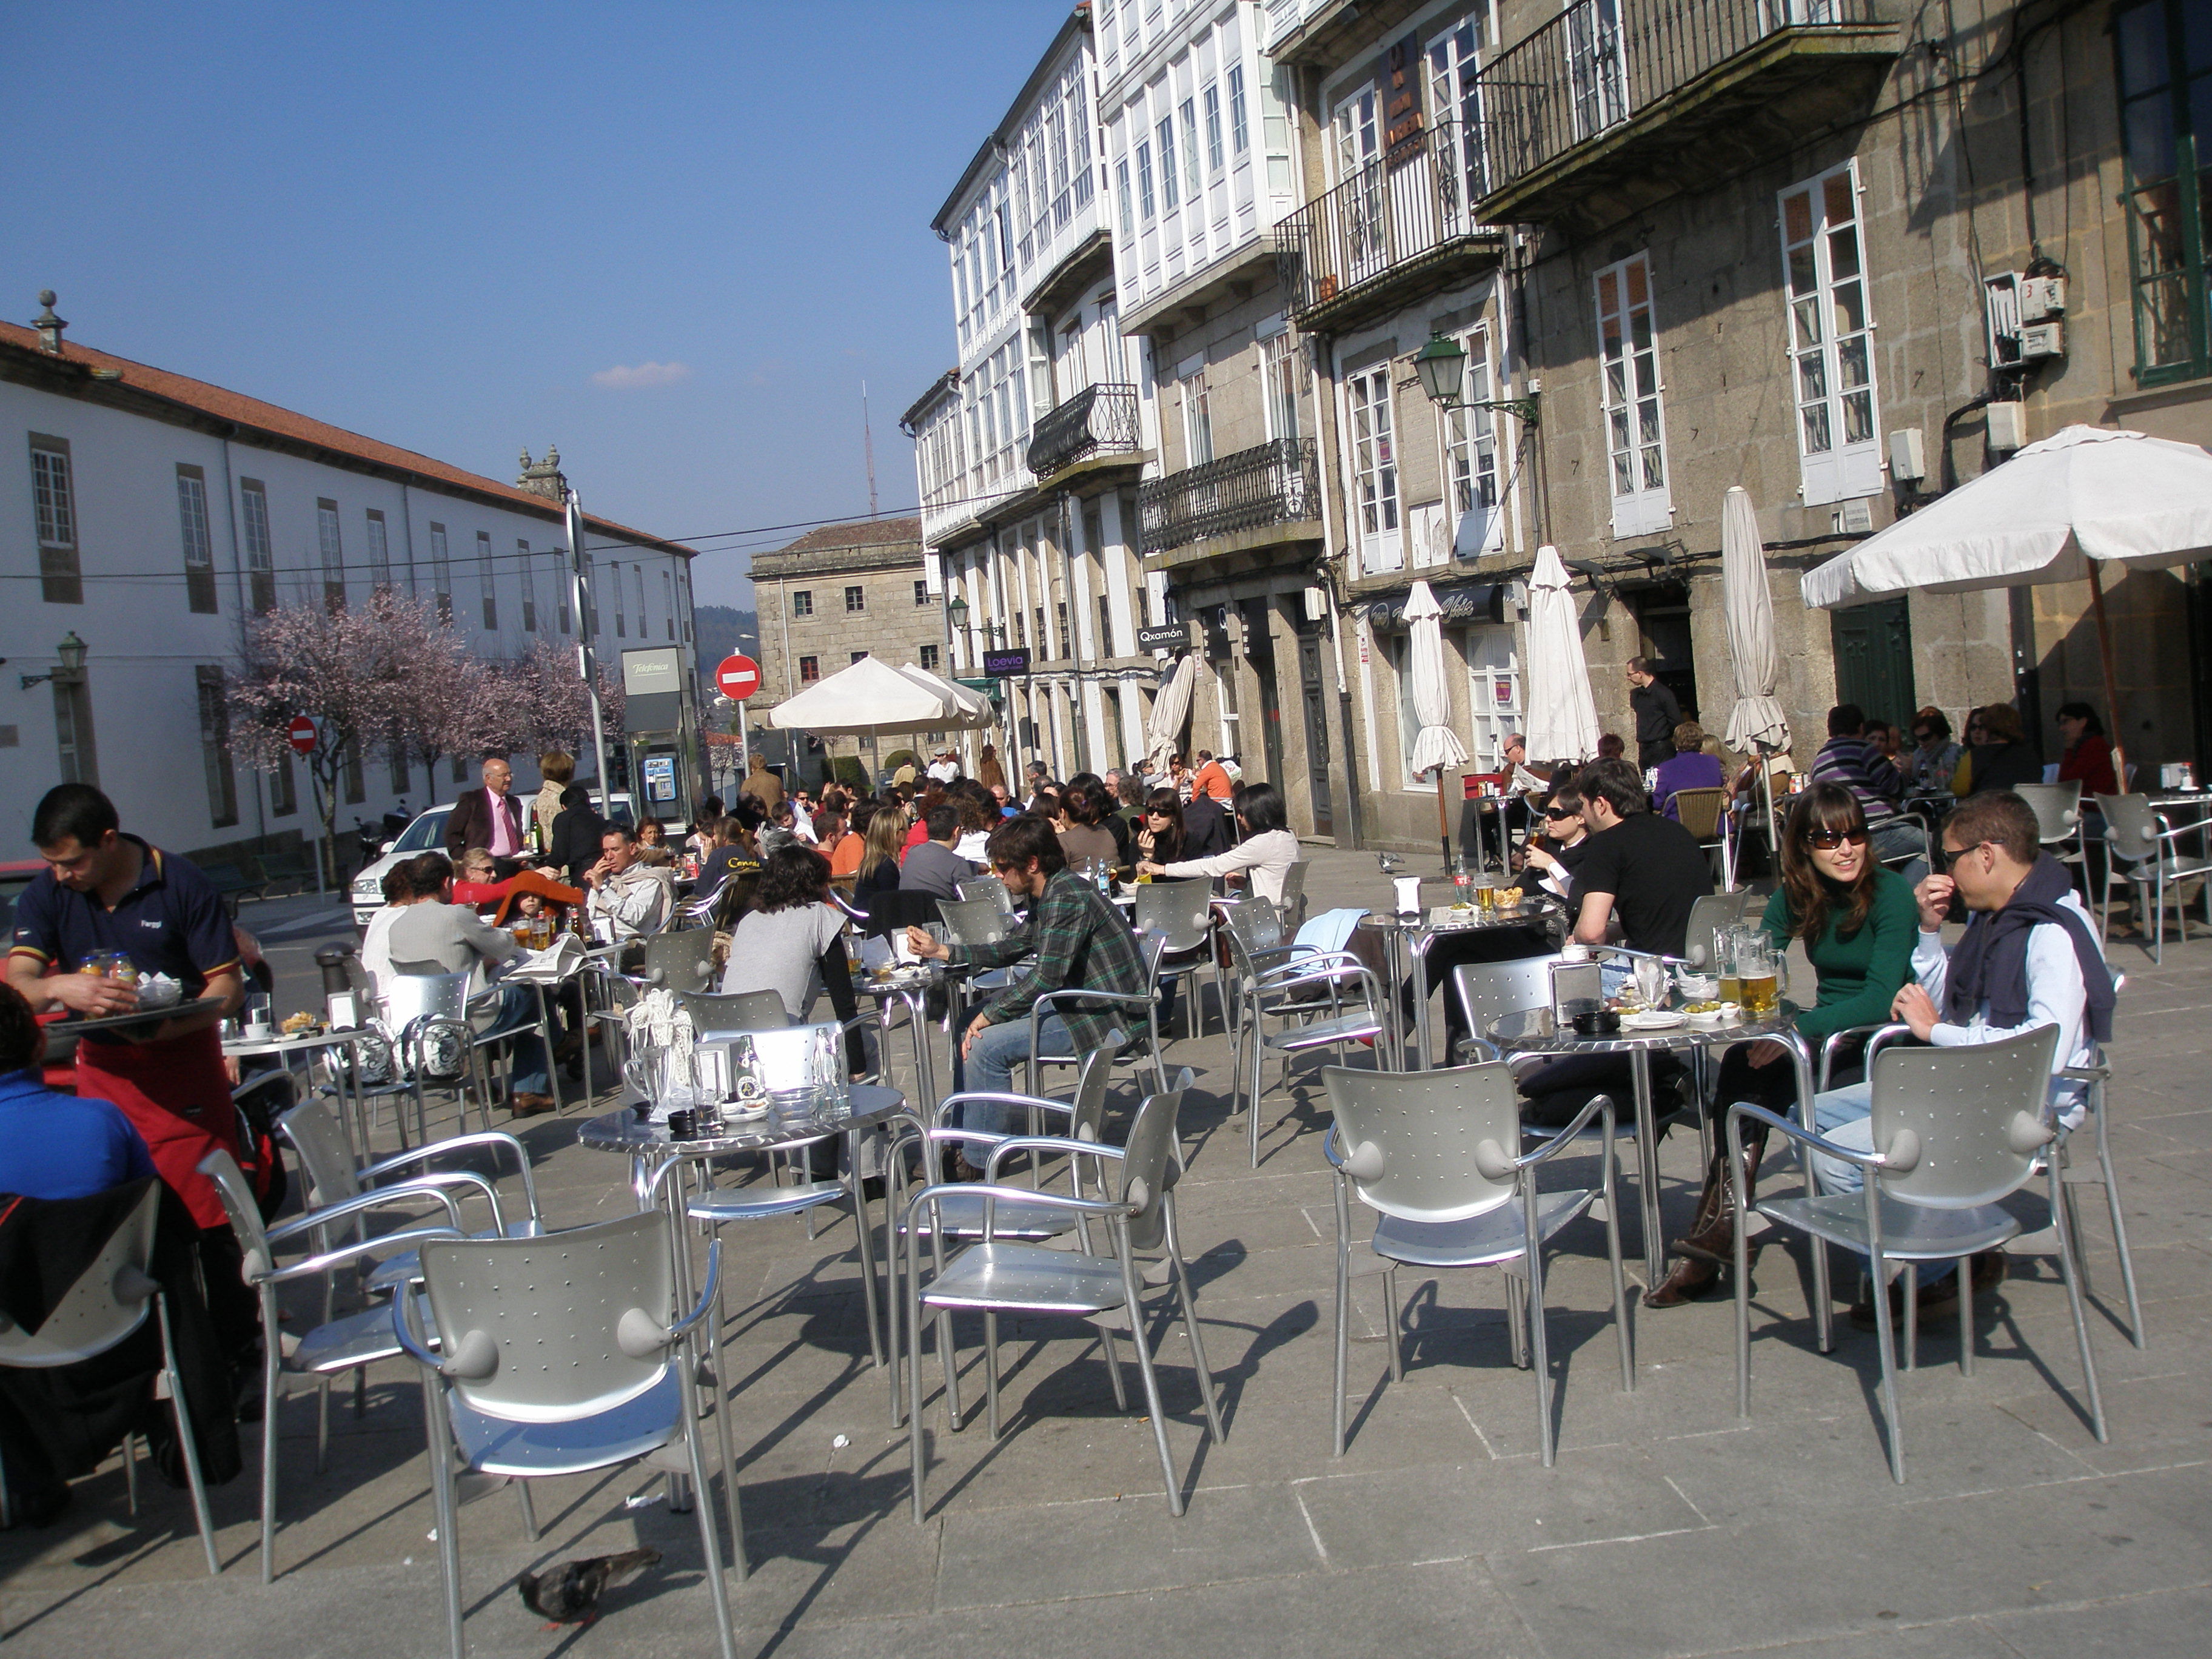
(1556, 851)
(1159, 832)
(1930, 763)
(1858, 922)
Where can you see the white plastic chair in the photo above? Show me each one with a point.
(1432, 1153)
(104, 1308)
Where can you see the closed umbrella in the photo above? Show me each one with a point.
(1562, 712)
(1170, 709)
(1756, 725)
(1435, 743)
(2060, 510)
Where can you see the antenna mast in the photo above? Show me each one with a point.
(868, 446)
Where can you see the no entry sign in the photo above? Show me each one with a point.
(736, 677)
(302, 733)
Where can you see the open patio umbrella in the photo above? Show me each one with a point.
(869, 698)
(971, 711)
(1562, 712)
(1435, 743)
(2061, 510)
(1756, 725)
(1171, 707)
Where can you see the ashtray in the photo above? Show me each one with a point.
(1598, 1022)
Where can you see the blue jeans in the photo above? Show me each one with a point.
(990, 1069)
(1844, 1116)
(528, 1072)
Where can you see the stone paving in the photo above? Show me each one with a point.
(1669, 1526)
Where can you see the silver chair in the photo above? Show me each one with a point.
(1182, 912)
(105, 1306)
(1305, 989)
(2093, 1079)
(1153, 952)
(682, 961)
(1293, 904)
(2144, 849)
(1954, 1130)
(561, 1359)
(995, 1276)
(1430, 1152)
(1708, 915)
(1488, 990)
(990, 890)
(2057, 809)
(715, 1013)
(985, 919)
(426, 1022)
(336, 1346)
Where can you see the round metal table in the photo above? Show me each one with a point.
(308, 1044)
(1534, 1031)
(909, 983)
(1407, 940)
(649, 1145)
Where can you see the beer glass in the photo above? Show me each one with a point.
(1760, 971)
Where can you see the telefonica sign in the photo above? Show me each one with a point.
(645, 672)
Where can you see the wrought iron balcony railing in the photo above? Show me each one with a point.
(1398, 213)
(1277, 482)
(1099, 420)
(1601, 62)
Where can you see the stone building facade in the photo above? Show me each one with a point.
(840, 593)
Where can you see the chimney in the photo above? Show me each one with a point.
(544, 477)
(50, 326)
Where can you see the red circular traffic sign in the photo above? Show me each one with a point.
(736, 677)
(301, 734)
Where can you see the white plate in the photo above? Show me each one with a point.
(1650, 1021)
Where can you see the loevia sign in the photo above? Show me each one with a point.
(998, 665)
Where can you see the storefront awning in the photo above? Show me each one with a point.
(1463, 603)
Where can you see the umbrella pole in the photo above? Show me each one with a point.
(2112, 690)
(1443, 823)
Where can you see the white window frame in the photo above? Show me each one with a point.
(529, 582)
(1632, 392)
(1197, 419)
(1240, 127)
(1216, 156)
(1378, 511)
(260, 547)
(1285, 383)
(1492, 659)
(490, 580)
(380, 551)
(1831, 337)
(1171, 179)
(1148, 205)
(54, 499)
(192, 520)
(1473, 494)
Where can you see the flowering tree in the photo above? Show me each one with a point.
(559, 713)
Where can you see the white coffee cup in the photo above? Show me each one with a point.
(1409, 894)
(257, 1030)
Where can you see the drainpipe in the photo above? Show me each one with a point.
(238, 586)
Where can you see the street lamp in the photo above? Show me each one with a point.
(71, 669)
(956, 612)
(1442, 365)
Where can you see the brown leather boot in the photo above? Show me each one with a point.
(1709, 1245)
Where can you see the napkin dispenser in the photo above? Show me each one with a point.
(790, 1063)
(1578, 987)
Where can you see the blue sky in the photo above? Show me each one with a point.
(452, 227)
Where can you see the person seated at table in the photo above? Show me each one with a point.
(2089, 754)
(376, 939)
(1209, 828)
(1847, 758)
(1259, 861)
(1881, 738)
(652, 849)
(474, 888)
(54, 1144)
(574, 843)
(1690, 769)
(878, 869)
(1159, 835)
(979, 816)
(632, 898)
(701, 840)
(1084, 841)
(434, 935)
(1125, 850)
(1611, 745)
(1640, 876)
(1556, 852)
(1855, 919)
(2029, 957)
(935, 866)
(1998, 755)
(1129, 794)
(1080, 941)
(728, 847)
(1929, 764)
(1213, 778)
(791, 943)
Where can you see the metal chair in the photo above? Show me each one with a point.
(1488, 990)
(1708, 915)
(426, 1021)
(559, 1360)
(995, 1276)
(1182, 912)
(1153, 952)
(1293, 904)
(337, 1344)
(2142, 850)
(680, 961)
(104, 1308)
(1296, 984)
(720, 1013)
(2094, 1077)
(1700, 811)
(2057, 808)
(1428, 1152)
(1954, 1130)
(990, 890)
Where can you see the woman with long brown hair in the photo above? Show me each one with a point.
(882, 852)
(1858, 923)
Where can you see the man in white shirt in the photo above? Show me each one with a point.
(802, 817)
(945, 768)
(376, 938)
(2029, 958)
(632, 898)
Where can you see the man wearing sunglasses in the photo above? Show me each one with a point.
(2029, 957)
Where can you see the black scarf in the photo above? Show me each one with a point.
(1991, 963)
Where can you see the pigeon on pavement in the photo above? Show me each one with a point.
(569, 1593)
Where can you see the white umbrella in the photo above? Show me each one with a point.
(971, 712)
(1562, 713)
(2058, 511)
(1435, 744)
(870, 697)
(1171, 707)
(1757, 720)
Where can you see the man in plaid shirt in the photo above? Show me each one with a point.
(1081, 941)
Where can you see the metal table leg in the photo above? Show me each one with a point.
(1419, 950)
(1647, 1164)
(867, 1243)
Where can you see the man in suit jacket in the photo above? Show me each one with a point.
(489, 817)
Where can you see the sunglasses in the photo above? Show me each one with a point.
(1563, 811)
(1922, 737)
(1828, 840)
(1945, 857)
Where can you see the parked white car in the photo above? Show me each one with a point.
(428, 834)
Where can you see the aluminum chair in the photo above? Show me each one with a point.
(426, 1020)
(718, 1014)
(989, 889)
(1153, 951)
(106, 1307)
(1182, 912)
(2057, 808)
(1293, 904)
(314, 1132)
(563, 1361)
(1305, 987)
(681, 961)
(2144, 849)
(1488, 990)
(1954, 1130)
(985, 919)
(1430, 1153)
(1708, 915)
(337, 1344)
(995, 1276)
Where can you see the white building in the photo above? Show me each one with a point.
(1029, 453)
(150, 513)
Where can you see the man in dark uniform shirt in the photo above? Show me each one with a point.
(1657, 714)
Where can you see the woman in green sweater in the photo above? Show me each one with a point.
(1858, 923)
